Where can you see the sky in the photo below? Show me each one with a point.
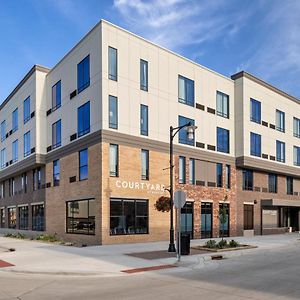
(261, 37)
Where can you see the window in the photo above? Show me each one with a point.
(112, 63)
(83, 74)
(12, 217)
(24, 182)
(26, 110)
(219, 175)
(56, 134)
(143, 75)
(296, 156)
(224, 228)
(3, 158)
(192, 177)
(15, 120)
(81, 216)
(83, 119)
(15, 151)
(34, 180)
(3, 131)
(255, 144)
(38, 220)
(114, 160)
(128, 216)
(280, 151)
(2, 189)
(23, 217)
(248, 180)
(289, 185)
(56, 96)
(144, 119)
(181, 172)
(222, 140)
(186, 91)
(11, 187)
(272, 183)
(56, 172)
(227, 177)
(255, 111)
(280, 120)
(145, 164)
(2, 217)
(183, 133)
(206, 220)
(39, 178)
(113, 112)
(296, 127)
(248, 217)
(83, 164)
(222, 105)
(27, 143)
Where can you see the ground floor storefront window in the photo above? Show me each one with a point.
(187, 216)
(224, 228)
(23, 217)
(129, 216)
(81, 216)
(38, 217)
(206, 220)
(248, 217)
(2, 218)
(12, 217)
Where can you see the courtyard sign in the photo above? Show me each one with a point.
(149, 187)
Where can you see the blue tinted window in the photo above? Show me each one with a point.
(255, 144)
(56, 172)
(144, 119)
(113, 112)
(3, 158)
(26, 108)
(3, 131)
(280, 151)
(280, 120)
(83, 74)
(15, 151)
(56, 95)
(83, 119)
(247, 180)
(143, 75)
(272, 183)
(186, 90)
(222, 140)
(219, 175)
(182, 169)
(255, 107)
(112, 63)
(83, 164)
(296, 127)
(183, 133)
(296, 156)
(56, 134)
(27, 143)
(15, 120)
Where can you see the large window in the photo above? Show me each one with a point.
(128, 216)
(144, 75)
(83, 164)
(24, 182)
(296, 156)
(183, 133)
(26, 110)
(81, 216)
(219, 168)
(112, 63)
(83, 119)
(255, 144)
(145, 164)
(2, 217)
(206, 220)
(248, 217)
(255, 111)
(3, 131)
(272, 183)
(113, 112)
(3, 158)
(280, 151)
(186, 91)
(182, 169)
(113, 160)
(192, 177)
(296, 125)
(222, 140)
(38, 220)
(248, 180)
(224, 228)
(27, 146)
(144, 119)
(56, 134)
(56, 172)
(23, 217)
(83, 74)
(15, 151)
(15, 120)
(289, 185)
(227, 177)
(222, 105)
(280, 120)
(56, 96)
(12, 217)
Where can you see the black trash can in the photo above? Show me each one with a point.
(185, 243)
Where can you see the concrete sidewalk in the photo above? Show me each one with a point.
(43, 258)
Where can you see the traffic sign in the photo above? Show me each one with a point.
(179, 199)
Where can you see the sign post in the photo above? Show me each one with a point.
(179, 202)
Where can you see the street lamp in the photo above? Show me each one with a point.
(190, 128)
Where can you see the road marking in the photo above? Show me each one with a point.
(4, 264)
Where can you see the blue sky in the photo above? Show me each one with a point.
(258, 36)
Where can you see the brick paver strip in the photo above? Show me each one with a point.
(4, 264)
(154, 268)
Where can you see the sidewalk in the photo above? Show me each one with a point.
(43, 258)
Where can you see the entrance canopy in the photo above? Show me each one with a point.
(280, 202)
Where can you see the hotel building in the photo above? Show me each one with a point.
(85, 146)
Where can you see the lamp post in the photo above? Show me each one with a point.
(190, 135)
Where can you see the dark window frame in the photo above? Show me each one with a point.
(143, 86)
(82, 82)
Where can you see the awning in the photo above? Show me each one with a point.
(280, 202)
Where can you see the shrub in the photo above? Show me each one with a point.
(47, 238)
(233, 244)
(17, 235)
(211, 244)
(222, 244)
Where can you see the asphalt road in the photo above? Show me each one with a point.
(267, 274)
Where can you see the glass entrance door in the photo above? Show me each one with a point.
(187, 217)
(206, 220)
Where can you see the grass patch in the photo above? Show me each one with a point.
(17, 235)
